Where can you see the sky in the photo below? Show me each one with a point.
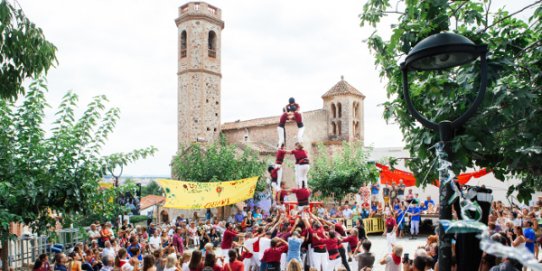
(271, 50)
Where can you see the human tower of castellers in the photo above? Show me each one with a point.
(300, 239)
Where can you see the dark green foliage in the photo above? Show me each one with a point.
(24, 51)
(138, 218)
(217, 162)
(151, 189)
(505, 135)
(58, 171)
(343, 173)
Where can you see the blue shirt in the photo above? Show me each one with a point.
(294, 249)
(140, 257)
(414, 210)
(400, 215)
(529, 234)
(374, 189)
(364, 213)
(426, 203)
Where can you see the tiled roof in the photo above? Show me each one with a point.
(259, 122)
(259, 147)
(342, 88)
(150, 200)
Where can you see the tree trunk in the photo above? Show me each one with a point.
(5, 250)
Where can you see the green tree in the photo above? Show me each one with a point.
(53, 171)
(504, 136)
(24, 51)
(217, 162)
(103, 206)
(343, 172)
(153, 188)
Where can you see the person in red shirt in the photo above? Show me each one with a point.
(281, 195)
(332, 246)
(281, 153)
(233, 264)
(227, 240)
(272, 255)
(273, 176)
(291, 112)
(352, 242)
(302, 195)
(301, 164)
(339, 229)
(317, 250)
(391, 227)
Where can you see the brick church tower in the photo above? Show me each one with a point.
(199, 73)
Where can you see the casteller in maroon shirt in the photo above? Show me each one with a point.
(352, 240)
(272, 254)
(340, 229)
(301, 157)
(302, 194)
(227, 240)
(281, 153)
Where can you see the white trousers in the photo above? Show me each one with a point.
(320, 260)
(391, 239)
(414, 227)
(283, 262)
(333, 264)
(248, 263)
(195, 239)
(224, 253)
(301, 172)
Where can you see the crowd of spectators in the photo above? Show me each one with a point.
(253, 239)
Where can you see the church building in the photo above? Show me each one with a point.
(199, 95)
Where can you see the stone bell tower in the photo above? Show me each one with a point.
(199, 36)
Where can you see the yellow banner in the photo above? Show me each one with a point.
(202, 195)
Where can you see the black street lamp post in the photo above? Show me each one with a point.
(438, 52)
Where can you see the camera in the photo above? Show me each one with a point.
(405, 258)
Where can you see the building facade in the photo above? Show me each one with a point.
(199, 74)
(199, 98)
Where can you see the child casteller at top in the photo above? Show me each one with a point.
(291, 112)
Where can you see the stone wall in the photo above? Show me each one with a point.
(199, 25)
(264, 132)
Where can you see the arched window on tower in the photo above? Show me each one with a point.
(355, 109)
(333, 110)
(355, 124)
(334, 128)
(339, 132)
(183, 44)
(212, 44)
(339, 110)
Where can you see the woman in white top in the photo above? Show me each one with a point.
(155, 241)
(193, 234)
(520, 239)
